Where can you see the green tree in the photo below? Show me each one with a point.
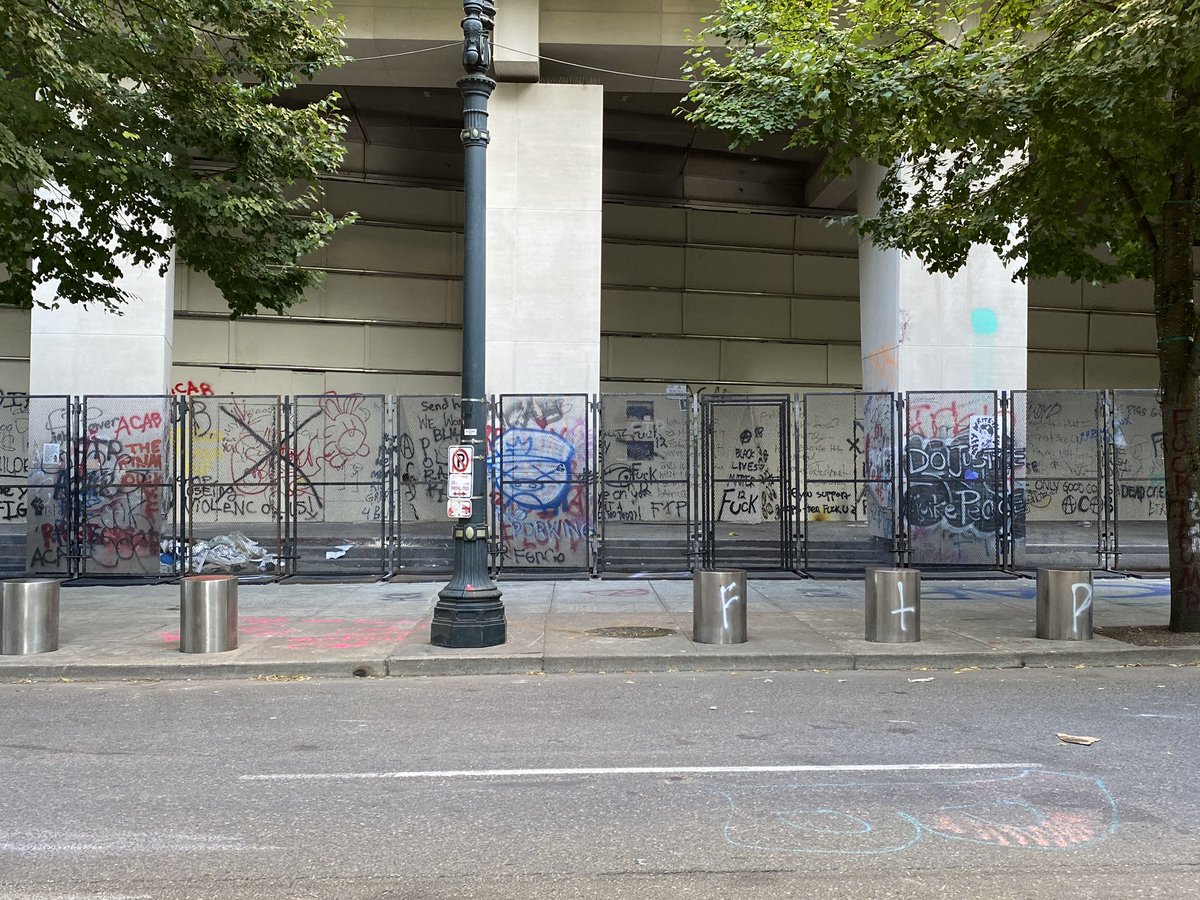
(103, 105)
(1065, 134)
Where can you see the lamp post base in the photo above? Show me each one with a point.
(462, 623)
(469, 612)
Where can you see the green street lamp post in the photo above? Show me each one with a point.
(469, 612)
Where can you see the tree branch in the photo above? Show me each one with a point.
(1145, 228)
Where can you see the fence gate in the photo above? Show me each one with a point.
(1139, 538)
(644, 501)
(746, 511)
(43, 537)
(425, 428)
(540, 456)
(338, 472)
(1060, 508)
(847, 477)
(954, 478)
(123, 486)
(235, 507)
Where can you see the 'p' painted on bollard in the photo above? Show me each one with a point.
(1064, 604)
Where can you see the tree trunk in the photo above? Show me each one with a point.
(1178, 361)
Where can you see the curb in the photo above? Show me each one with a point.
(449, 666)
(192, 671)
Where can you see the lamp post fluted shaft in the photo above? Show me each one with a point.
(469, 612)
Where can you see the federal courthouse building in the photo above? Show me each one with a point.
(632, 256)
(627, 249)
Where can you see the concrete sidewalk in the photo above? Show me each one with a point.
(332, 630)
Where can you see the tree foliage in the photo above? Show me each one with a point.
(103, 104)
(1047, 130)
(1065, 134)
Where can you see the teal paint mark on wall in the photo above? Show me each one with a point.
(984, 321)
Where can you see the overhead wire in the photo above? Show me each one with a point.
(539, 56)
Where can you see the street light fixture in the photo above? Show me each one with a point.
(469, 612)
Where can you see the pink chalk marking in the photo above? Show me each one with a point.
(354, 635)
(1059, 830)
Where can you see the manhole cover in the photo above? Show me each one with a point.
(631, 631)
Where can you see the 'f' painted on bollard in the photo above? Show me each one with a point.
(729, 596)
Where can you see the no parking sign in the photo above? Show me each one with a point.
(460, 471)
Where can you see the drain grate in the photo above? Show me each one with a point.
(631, 631)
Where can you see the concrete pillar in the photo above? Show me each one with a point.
(545, 166)
(73, 350)
(927, 332)
(518, 30)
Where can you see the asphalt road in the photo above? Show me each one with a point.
(846, 784)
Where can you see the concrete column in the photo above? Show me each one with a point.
(927, 332)
(517, 41)
(545, 165)
(73, 350)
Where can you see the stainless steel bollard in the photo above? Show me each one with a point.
(208, 614)
(719, 606)
(29, 616)
(1064, 604)
(893, 605)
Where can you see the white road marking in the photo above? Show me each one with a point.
(637, 770)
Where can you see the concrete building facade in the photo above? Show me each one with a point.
(628, 250)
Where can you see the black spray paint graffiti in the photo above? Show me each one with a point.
(427, 427)
(645, 447)
(955, 484)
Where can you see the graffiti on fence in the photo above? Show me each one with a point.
(1138, 464)
(247, 461)
(539, 461)
(645, 451)
(1063, 436)
(746, 462)
(109, 498)
(833, 449)
(339, 458)
(955, 500)
(426, 426)
(848, 445)
(14, 456)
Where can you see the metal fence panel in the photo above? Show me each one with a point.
(954, 504)
(235, 509)
(747, 517)
(339, 476)
(426, 426)
(541, 462)
(51, 525)
(644, 502)
(1062, 480)
(847, 480)
(1139, 482)
(124, 484)
(14, 482)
